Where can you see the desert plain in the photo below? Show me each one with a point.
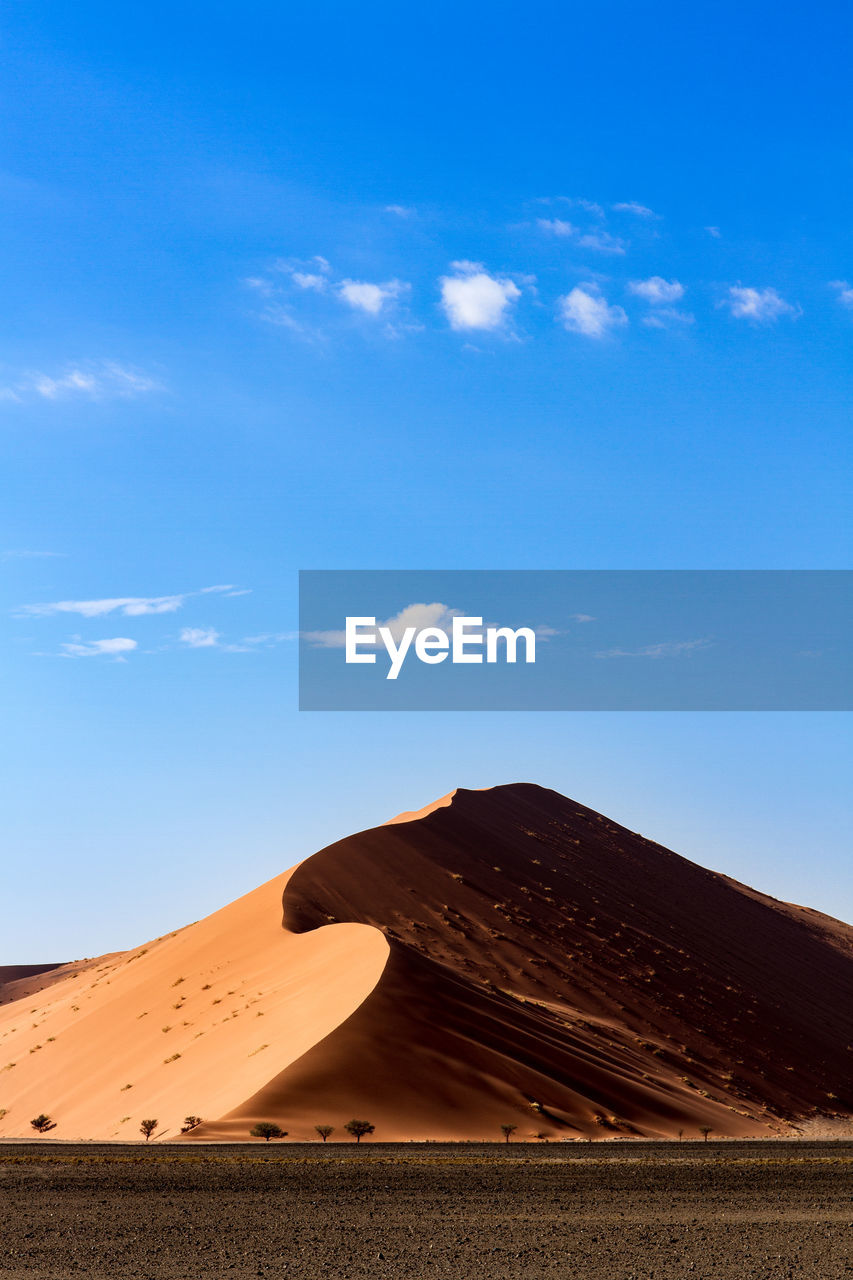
(606, 1211)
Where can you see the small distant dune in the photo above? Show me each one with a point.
(504, 956)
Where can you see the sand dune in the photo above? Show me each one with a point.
(502, 956)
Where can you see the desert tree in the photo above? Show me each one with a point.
(680, 1134)
(325, 1130)
(705, 1129)
(266, 1129)
(190, 1123)
(508, 1130)
(359, 1128)
(147, 1127)
(42, 1123)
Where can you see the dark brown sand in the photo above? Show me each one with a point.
(619, 1211)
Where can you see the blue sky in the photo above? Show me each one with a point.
(372, 287)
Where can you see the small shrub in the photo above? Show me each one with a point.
(42, 1123)
(266, 1129)
(359, 1128)
(190, 1123)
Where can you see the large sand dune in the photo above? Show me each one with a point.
(502, 956)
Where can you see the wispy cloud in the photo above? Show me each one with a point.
(315, 275)
(762, 306)
(94, 380)
(714, 232)
(575, 202)
(474, 299)
(602, 242)
(632, 206)
(199, 637)
(401, 210)
(665, 649)
(32, 555)
(598, 239)
(112, 648)
(129, 606)
(666, 317)
(310, 280)
(557, 227)
(584, 310)
(657, 291)
(413, 615)
(370, 298)
(844, 291)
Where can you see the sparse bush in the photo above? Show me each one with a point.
(508, 1130)
(147, 1127)
(42, 1123)
(705, 1129)
(190, 1123)
(359, 1128)
(325, 1130)
(266, 1129)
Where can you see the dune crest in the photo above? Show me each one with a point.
(500, 956)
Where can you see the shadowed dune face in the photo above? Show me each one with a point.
(500, 957)
(551, 969)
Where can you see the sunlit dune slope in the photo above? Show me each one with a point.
(192, 1023)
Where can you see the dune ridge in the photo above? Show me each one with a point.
(500, 956)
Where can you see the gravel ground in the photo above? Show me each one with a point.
(638, 1211)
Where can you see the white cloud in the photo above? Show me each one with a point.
(130, 606)
(763, 306)
(602, 242)
(264, 287)
(370, 298)
(714, 232)
(401, 210)
(845, 292)
(199, 637)
(599, 240)
(114, 647)
(557, 226)
(310, 280)
(656, 290)
(271, 638)
(577, 202)
(665, 649)
(473, 299)
(666, 317)
(414, 615)
(97, 380)
(631, 206)
(32, 555)
(585, 311)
